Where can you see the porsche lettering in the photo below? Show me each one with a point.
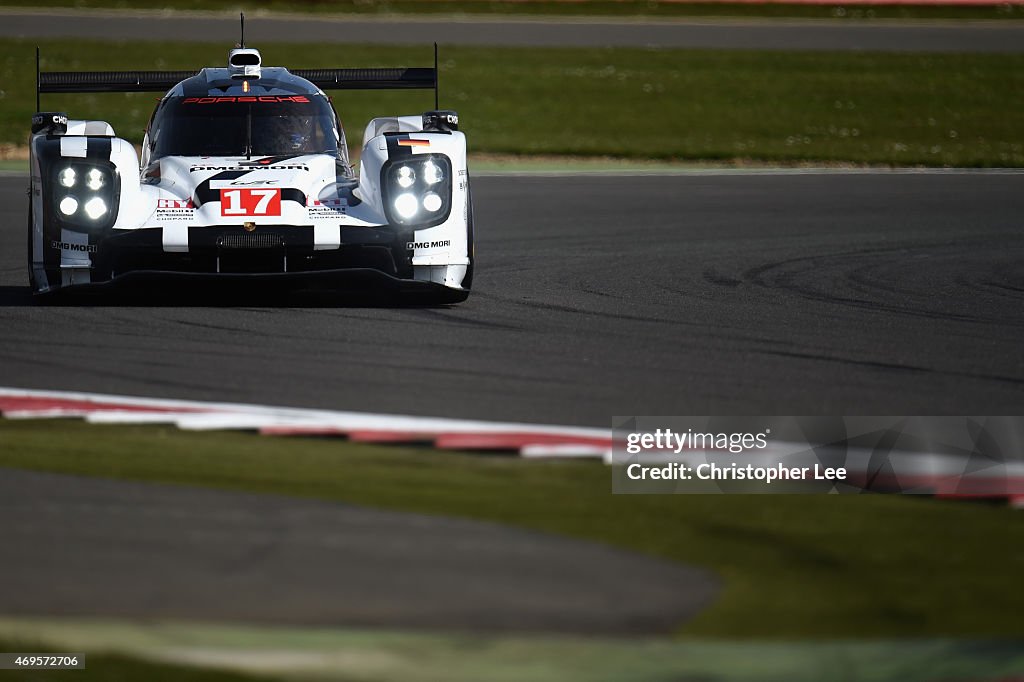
(266, 99)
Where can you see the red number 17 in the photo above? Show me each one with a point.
(250, 202)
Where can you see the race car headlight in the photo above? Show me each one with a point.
(405, 177)
(67, 177)
(95, 180)
(406, 205)
(432, 173)
(92, 202)
(432, 202)
(417, 191)
(95, 208)
(68, 205)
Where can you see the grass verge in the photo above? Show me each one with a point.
(649, 9)
(390, 656)
(111, 667)
(670, 105)
(793, 566)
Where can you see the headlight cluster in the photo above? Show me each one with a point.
(418, 191)
(84, 193)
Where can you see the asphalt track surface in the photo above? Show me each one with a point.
(87, 547)
(695, 34)
(875, 293)
(817, 294)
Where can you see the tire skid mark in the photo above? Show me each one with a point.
(886, 280)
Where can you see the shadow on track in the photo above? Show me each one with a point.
(15, 296)
(221, 296)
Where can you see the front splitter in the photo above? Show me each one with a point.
(346, 286)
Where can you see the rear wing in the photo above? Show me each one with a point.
(162, 81)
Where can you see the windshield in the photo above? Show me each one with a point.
(268, 125)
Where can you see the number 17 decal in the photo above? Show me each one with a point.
(250, 202)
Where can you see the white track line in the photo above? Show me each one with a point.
(917, 472)
(97, 408)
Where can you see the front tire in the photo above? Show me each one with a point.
(28, 239)
(467, 281)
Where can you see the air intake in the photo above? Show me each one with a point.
(250, 240)
(244, 63)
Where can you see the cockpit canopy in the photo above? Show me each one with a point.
(244, 125)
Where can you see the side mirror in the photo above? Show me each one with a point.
(441, 120)
(50, 122)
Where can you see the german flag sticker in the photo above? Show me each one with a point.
(414, 143)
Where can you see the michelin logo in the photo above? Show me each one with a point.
(415, 246)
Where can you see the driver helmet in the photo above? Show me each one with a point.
(301, 131)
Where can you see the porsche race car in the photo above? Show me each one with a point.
(244, 173)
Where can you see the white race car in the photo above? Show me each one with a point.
(244, 173)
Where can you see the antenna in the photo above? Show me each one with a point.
(436, 107)
(37, 78)
(242, 16)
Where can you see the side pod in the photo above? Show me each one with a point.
(80, 176)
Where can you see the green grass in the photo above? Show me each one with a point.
(115, 667)
(651, 9)
(780, 107)
(793, 566)
(398, 656)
